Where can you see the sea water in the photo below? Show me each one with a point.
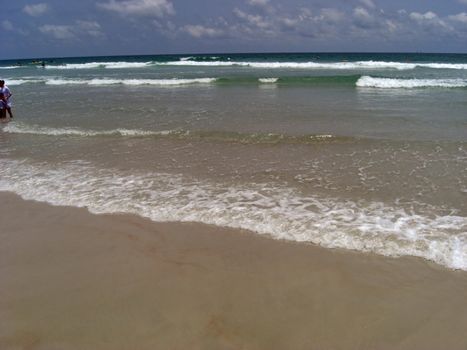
(358, 151)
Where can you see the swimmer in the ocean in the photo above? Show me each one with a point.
(6, 94)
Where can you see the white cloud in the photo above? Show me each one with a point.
(362, 14)
(290, 22)
(279, 23)
(366, 20)
(420, 17)
(7, 25)
(362, 22)
(158, 8)
(91, 28)
(199, 31)
(260, 3)
(460, 17)
(392, 26)
(331, 15)
(431, 21)
(463, 2)
(369, 3)
(73, 31)
(36, 9)
(305, 13)
(57, 31)
(254, 20)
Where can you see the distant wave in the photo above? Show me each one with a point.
(39, 130)
(215, 136)
(268, 80)
(133, 82)
(93, 65)
(295, 65)
(340, 79)
(358, 65)
(110, 81)
(215, 62)
(192, 58)
(12, 82)
(349, 80)
(391, 83)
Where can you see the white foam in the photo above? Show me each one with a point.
(93, 65)
(123, 65)
(132, 82)
(391, 83)
(443, 65)
(189, 61)
(268, 80)
(297, 65)
(19, 128)
(65, 82)
(168, 82)
(12, 82)
(263, 208)
(358, 65)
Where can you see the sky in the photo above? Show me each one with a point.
(64, 28)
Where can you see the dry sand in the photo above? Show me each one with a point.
(73, 280)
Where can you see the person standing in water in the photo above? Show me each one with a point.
(3, 106)
(7, 94)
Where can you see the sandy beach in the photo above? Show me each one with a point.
(74, 280)
(241, 175)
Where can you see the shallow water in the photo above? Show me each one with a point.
(365, 152)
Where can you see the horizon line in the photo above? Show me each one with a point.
(238, 53)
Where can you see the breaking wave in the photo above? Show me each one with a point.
(268, 80)
(131, 82)
(94, 65)
(215, 136)
(390, 83)
(215, 62)
(349, 80)
(13, 82)
(270, 209)
(358, 65)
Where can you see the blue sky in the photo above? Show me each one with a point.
(58, 28)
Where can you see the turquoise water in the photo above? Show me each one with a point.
(359, 151)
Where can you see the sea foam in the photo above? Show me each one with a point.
(269, 209)
(268, 80)
(12, 82)
(94, 65)
(357, 65)
(132, 82)
(391, 83)
(217, 136)
(19, 128)
(296, 65)
(215, 62)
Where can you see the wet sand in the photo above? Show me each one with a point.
(73, 280)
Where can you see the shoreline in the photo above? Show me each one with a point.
(76, 280)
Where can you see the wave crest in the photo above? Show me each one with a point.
(214, 136)
(130, 82)
(357, 65)
(392, 83)
(216, 62)
(94, 65)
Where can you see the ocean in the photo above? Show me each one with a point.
(366, 152)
